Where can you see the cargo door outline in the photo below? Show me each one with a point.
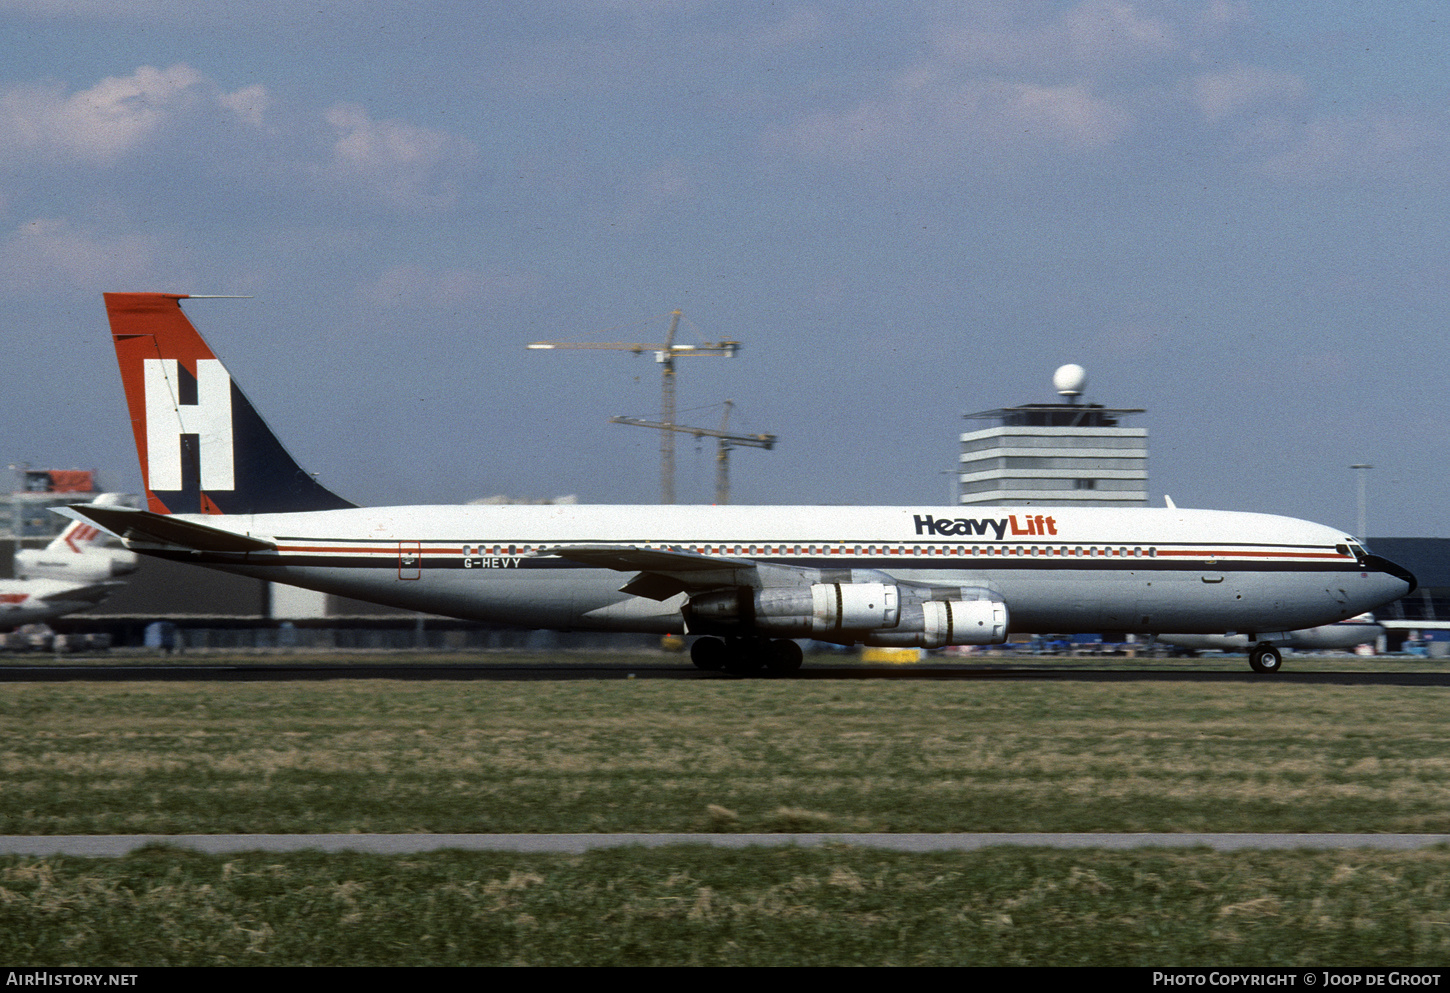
(410, 560)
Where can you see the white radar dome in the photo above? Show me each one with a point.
(1070, 380)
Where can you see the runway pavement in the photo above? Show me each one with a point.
(58, 672)
(408, 844)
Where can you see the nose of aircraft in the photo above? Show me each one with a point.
(1397, 576)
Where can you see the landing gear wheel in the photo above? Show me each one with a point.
(710, 654)
(744, 656)
(1266, 659)
(783, 656)
(743, 664)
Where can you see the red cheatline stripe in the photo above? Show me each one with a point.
(368, 549)
(1009, 549)
(1206, 553)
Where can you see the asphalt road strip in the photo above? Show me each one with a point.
(111, 845)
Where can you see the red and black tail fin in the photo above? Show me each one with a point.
(203, 447)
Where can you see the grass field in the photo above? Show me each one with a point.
(685, 906)
(655, 755)
(647, 755)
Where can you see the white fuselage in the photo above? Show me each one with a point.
(1327, 637)
(30, 601)
(1057, 569)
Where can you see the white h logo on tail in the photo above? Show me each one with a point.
(167, 419)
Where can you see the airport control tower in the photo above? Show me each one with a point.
(1068, 453)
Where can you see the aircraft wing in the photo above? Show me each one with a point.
(143, 526)
(746, 597)
(664, 572)
(633, 557)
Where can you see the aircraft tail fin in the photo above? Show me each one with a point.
(203, 447)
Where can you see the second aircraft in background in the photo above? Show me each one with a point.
(73, 573)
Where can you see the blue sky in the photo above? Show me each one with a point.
(1232, 213)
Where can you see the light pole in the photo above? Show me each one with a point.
(1362, 524)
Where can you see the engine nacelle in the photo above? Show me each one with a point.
(837, 607)
(873, 613)
(820, 610)
(937, 623)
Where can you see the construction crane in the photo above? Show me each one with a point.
(724, 440)
(665, 355)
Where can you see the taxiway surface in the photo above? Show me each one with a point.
(56, 672)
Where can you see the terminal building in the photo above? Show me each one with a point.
(1424, 615)
(1059, 454)
(25, 517)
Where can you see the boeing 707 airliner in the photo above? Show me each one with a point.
(222, 492)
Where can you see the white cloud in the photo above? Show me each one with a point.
(1224, 15)
(230, 133)
(117, 117)
(1111, 32)
(1073, 81)
(1097, 36)
(408, 165)
(1220, 94)
(1348, 145)
(48, 253)
(998, 77)
(1071, 115)
(249, 103)
(930, 117)
(100, 124)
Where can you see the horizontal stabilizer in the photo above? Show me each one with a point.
(161, 529)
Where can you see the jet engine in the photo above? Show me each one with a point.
(935, 623)
(873, 613)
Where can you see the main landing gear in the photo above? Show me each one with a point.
(1266, 659)
(747, 656)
